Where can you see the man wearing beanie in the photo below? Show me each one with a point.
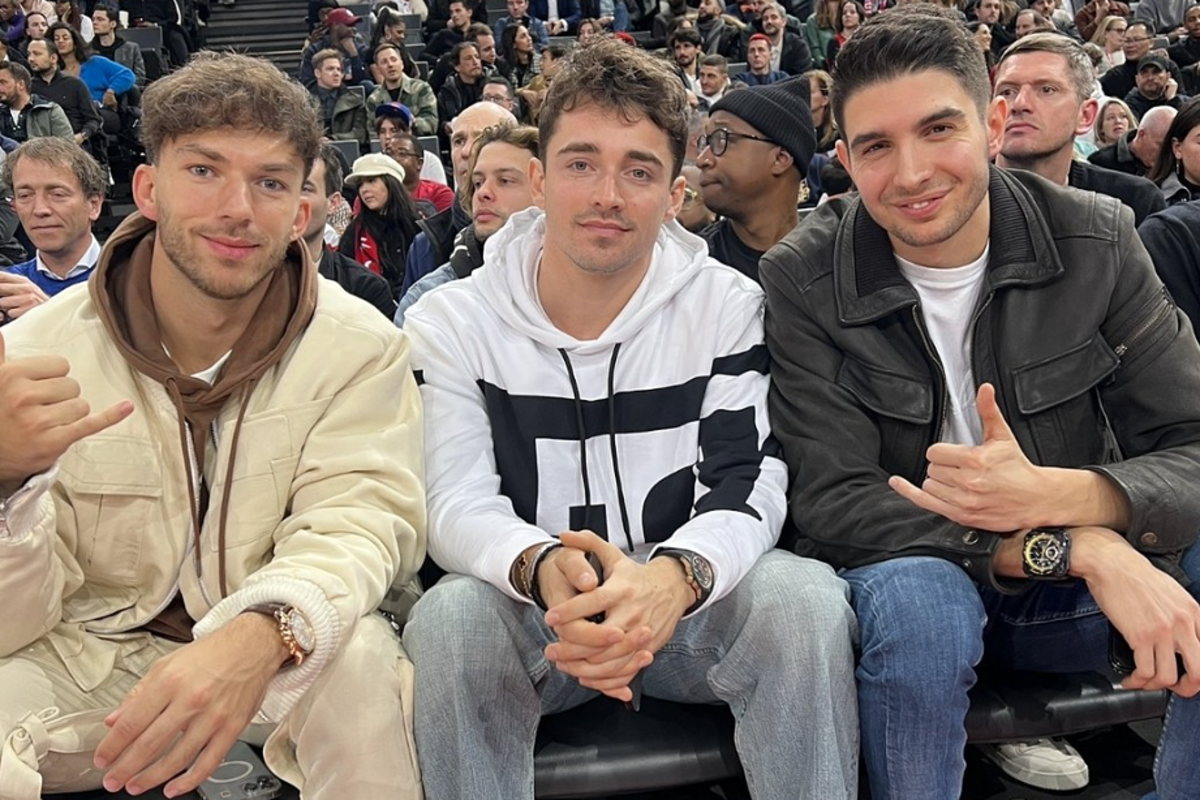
(755, 151)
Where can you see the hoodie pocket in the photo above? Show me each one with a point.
(114, 487)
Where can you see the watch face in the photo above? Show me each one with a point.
(301, 631)
(1044, 552)
(702, 572)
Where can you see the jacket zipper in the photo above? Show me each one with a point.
(931, 351)
(1155, 316)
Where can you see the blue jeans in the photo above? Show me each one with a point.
(778, 650)
(925, 626)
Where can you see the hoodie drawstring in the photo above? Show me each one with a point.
(233, 448)
(612, 439)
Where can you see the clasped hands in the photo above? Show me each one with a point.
(641, 604)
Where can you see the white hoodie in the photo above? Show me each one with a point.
(506, 394)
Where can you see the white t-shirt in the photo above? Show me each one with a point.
(948, 301)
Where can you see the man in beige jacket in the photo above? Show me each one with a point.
(210, 475)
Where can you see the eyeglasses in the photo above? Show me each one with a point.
(1132, 40)
(496, 98)
(718, 140)
(406, 154)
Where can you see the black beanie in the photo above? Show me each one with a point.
(780, 112)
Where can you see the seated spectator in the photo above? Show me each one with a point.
(392, 119)
(850, 16)
(1060, 20)
(684, 536)
(439, 15)
(498, 188)
(105, 79)
(390, 29)
(462, 89)
(754, 154)
(758, 61)
(169, 17)
(693, 215)
(70, 93)
(518, 12)
(342, 36)
(1137, 151)
(1167, 16)
(1048, 85)
(35, 115)
(396, 86)
(12, 20)
(1109, 34)
(589, 29)
(944, 292)
(433, 245)
(714, 79)
(257, 490)
(1186, 51)
(1091, 16)
(520, 58)
(1155, 87)
(45, 7)
(684, 45)
(789, 52)
(479, 35)
(406, 150)
(380, 234)
(499, 91)
(667, 20)
(821, 28)
(534, 94)
(57, 192)
(343, 112)
(1177, 171)
(322, 188)
(109, 44)
(820, 86)
(1171, 238)
(1113, 121)
(560, 19)
(1121, 80)
(36, 26)
(454, 33)
(982, 33)
(1029, 21)
(71, 14)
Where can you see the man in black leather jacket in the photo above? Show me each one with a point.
(990, 409)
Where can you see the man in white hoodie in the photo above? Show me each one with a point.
(599, 387)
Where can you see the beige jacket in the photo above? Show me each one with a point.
(327, 509)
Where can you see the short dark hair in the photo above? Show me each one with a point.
(686, 36)
(911, 38)
(19, 73)
(716, 60)
(556, 50)
(229, 90)
(475, 30)
(611, 74)
(500, 80)
(334, 174)
(109, 11)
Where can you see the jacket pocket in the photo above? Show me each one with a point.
(266, 452)
(1057, 398)
(114, 487)
(903, 407)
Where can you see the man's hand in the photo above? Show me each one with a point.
(992, 486)
(110, 99)
(43, 415)
(1151, 610)
(1171, 90)
(645, 602)
(18, 294)
(190, 708)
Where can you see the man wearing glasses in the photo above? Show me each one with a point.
(1139, 38)
(754, 153)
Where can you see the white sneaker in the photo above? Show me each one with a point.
(1045, 763)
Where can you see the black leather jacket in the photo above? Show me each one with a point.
(1094, 366)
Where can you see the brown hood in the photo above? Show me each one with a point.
(120, 290)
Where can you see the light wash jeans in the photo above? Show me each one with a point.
(778, 650)
(925, 625)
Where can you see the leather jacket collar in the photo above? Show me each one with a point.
(869, 284)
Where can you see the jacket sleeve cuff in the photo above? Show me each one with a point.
(290, 684)
(498, 565)
(24, 508)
